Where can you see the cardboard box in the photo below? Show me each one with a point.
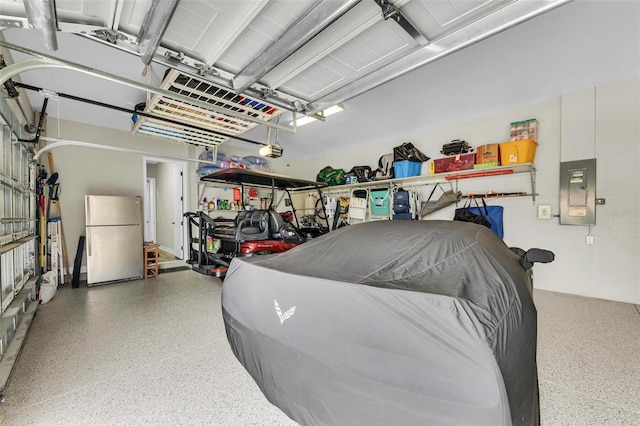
(488, 153)
(453, 163)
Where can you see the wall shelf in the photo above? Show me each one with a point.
(217, 190)
(448, 177)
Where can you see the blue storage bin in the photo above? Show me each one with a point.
(406, 168)
(380, 203)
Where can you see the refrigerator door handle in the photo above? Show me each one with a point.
(88, 242)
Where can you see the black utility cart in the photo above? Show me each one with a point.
(254, 231)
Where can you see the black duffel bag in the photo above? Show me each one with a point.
(463, 214)
(407, 151)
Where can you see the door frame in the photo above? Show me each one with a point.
(150, 208)
(179, 252)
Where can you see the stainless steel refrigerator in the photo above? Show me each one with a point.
(113, 238)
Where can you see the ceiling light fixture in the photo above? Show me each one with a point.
(320, 116)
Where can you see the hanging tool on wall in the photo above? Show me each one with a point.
(54, 190)
(493, 194)
(42, 216)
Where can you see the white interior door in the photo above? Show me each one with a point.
(150, 210)
(178, 210)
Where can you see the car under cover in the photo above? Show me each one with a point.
(389, 322)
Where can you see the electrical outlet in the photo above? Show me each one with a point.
(544, 211)
(589, 239)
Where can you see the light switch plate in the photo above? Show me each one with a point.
(544, 211)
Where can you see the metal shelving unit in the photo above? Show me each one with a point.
(212, 190)
(449, 177)
(195, 125)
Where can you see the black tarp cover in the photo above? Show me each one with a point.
(389, 323)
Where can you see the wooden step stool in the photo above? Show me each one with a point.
(151, 260)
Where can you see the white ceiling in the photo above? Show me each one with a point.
(541, 58)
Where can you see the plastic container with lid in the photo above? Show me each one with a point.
(517, 152)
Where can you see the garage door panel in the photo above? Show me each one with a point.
(381, 44)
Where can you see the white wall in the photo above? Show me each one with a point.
(152, 170)
(609, 269)
(87, 171)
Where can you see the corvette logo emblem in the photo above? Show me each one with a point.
(282, 316)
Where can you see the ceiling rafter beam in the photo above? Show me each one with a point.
(155, 23)
(47, 61)
(357, 20)
(42, 17)
(318, 17)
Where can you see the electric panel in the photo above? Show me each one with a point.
(578, 192)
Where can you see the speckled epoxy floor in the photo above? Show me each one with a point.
(140, 352)
(588, 360)
(155, 352)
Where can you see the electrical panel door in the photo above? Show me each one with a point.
(578, 192)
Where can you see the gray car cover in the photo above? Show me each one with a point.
(389, 323)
